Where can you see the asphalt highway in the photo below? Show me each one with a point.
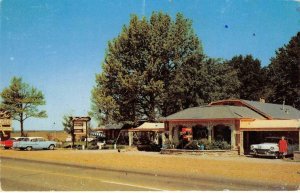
(21, 175)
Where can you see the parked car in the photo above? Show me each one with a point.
(30, 143)
(269, 147)
(7, 144)
(69, 139)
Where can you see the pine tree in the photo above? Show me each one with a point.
(22, 100)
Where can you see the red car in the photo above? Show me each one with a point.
(7, 144)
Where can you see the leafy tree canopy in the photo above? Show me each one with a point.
(251, 76)
(284, 74)
(154, 68)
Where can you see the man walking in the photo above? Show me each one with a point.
(283, 147)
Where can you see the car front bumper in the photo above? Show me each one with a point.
(264, 153)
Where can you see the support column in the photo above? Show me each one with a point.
(233, 132)
(175, 136)
(241, 145)
(171, 135)
(209, 128)
(163, 138)
(130, 136)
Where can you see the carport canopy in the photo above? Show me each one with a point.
(149, 127)
(291, 127)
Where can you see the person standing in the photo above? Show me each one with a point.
(283, 147)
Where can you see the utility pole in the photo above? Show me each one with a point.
(86, 136)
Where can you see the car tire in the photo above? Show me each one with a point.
(276, 156)
(51, 147)
(29, 148)
(6, 147)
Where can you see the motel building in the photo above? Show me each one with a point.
(5, 125)
(238, 122)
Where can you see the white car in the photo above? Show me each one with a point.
(269, 147)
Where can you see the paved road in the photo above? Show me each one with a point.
(20, 175)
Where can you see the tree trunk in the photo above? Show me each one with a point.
(22, 125)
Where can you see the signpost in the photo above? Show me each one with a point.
(80, 127)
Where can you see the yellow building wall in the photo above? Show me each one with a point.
(248, 124)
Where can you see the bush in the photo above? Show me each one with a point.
(214, 145)
(220, 145)
(205, 142)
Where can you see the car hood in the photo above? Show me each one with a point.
(266, 145)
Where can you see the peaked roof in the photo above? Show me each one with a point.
(215, 112)
(114, 126)
(268, 110)
(276, 111)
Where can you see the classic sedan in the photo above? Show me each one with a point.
(269, 147)
(34, 143)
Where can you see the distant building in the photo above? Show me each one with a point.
(5, 125)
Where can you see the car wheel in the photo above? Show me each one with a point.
(6, 147)
(29, 148)
(51, 147)
(276, 156)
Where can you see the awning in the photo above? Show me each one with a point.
(149, 127)
(97, 134)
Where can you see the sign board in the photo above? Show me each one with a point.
(80, 125)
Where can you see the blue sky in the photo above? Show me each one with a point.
(58, 45)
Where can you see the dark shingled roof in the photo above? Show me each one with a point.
(276, 111)
(114, 126)
(215, 112)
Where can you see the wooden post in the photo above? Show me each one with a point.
(130, 136)
(241, 143)
(299, 138)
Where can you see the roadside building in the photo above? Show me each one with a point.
(238, 122)
(5, 125)
(154, 132)
(112, 132)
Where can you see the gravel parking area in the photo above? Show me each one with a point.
(237, 167)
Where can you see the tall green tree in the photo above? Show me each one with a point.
(154, 68)
(284, 74)
(139, 66)
(222, 81)
(250, 75)
(22, 101)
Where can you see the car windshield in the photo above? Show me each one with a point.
(271, 140)
(23, 139)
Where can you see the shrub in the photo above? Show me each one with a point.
(220, 145)
(205, 142)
